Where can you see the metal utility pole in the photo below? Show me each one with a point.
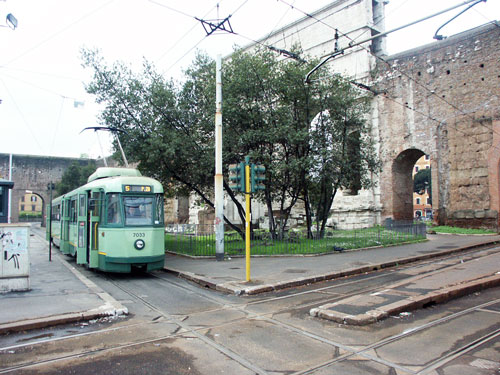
(9, 205)
(248, 217)
(51, 187)
(219, 193)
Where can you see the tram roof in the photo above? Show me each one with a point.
(104, 172)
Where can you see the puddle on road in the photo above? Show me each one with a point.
(44, 336)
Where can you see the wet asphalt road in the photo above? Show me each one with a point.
(176, 327)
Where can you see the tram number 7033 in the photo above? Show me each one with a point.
(139, 235)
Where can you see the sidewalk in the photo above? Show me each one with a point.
(275, 273)
(59, 293)
(432, 284)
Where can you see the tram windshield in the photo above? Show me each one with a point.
(138, 210)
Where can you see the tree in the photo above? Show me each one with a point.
(422, 181)
(342, 150)
(169, 128)
(268, 115)
(75, 176)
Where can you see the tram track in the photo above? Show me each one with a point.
(179, 320)
(380, 343)
(169, 318)
(353, 352)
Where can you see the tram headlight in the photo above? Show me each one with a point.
(139, 244)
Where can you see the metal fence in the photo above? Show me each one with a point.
(199, 240)
(407, 226)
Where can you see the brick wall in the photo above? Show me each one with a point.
(444, 100)
(30, 172)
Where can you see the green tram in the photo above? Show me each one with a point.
(113, 223)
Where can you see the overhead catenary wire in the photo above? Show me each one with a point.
(58, 121)
(39, 87)
(64, 29)
(432, 92)
(22, 116)
(198, 20)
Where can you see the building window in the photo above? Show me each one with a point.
(33, 207)
(417, 201)
(427, 166)
(33, 198)
(22, 198)
(427, 157)
(428, 200)
(22, 207)
(416, 169)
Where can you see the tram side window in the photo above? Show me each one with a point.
(72, 210)
(1, 201)
(56, 212)
(81, 205)
(159, 209)
(113, 209)
(95, 204)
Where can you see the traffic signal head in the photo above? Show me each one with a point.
(237, 177)
(257, 177)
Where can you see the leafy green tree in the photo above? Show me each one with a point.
(342, 151)
(169, 128)
(310, 137)
(421, 181)
(258, 113)
(75, 176)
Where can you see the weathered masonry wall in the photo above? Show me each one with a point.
(34, 173)
(354, 20)
(443, 100)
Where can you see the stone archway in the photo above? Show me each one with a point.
(20, 205)
(402, 184)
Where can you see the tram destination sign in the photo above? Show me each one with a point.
(137, 188)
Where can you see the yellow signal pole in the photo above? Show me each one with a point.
(247, 218)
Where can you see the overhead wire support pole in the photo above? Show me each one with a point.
(352, 45)
(219, 192)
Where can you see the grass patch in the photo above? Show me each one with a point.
(30, 214)
(296, 243)
(457, 230)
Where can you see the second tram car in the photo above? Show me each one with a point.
(113, 223)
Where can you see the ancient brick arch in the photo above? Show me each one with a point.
(402, 183)
(443, 99)
(33, 173)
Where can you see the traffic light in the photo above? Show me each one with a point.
(257, 177)
(237, 177)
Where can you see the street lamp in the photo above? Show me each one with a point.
(11, 21)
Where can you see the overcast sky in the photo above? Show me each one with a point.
(44, 105)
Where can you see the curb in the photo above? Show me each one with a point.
(238, 289)
(49, 321)
(111, 307)
(408, 304)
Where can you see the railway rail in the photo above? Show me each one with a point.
(247, 306)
